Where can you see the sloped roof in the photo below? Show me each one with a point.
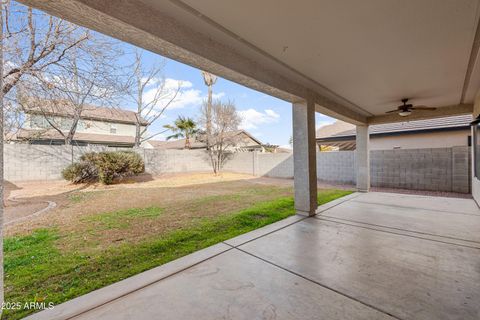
(455, 122)
(194, 144)
(176, 144)
(90, 112)
(52, 134)
(334, 128)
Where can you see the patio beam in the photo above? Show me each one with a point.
(362, 158)
(170, 32)
(305, 157)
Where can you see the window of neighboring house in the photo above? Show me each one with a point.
(65, 124)
(38, 122)
(113, 128)
(81, 125)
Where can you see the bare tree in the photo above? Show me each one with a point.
(223, 134)
(149, 109)
(33, 42)
(87, 77)
(210, 80)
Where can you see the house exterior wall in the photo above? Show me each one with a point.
(245, 141)
(475, 180)
(84, 126)
(440, 139)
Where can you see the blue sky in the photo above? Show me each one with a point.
(266, 117)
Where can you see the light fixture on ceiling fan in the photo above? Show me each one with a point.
(406, 108)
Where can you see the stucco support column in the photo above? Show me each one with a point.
(362, 158)
(304, 158)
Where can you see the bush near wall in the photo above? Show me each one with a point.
(104, 167)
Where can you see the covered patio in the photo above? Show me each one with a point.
(367, 256)
(364, 256)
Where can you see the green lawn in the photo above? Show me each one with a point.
(38, 268)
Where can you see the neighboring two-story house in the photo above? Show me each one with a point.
(111, 127)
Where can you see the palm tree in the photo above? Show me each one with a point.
(209, 80)
(182, 128)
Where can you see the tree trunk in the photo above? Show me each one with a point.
(71, 134)
(209, 116)
(138, 115)
(15, 77)
(137, 133)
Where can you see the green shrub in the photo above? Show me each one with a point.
(104, 167)
(80, 172)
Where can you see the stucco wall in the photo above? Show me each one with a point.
(90, 126)
(421, 140)
(475, 180)
(442, 169)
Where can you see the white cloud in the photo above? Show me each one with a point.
(272, 114)
(187, 95)
(252, 119)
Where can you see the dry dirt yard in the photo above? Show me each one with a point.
(97, 235)
(74, 203)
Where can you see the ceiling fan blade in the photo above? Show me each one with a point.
(392, 111)
(423, 108)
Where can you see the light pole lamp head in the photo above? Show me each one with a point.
(209, 78)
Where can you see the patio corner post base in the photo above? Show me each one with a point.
(362, 158)
(304, 158)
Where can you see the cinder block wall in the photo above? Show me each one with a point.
(336, 166)
(439, 169)
(31, 162)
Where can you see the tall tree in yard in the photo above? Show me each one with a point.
(149, 108)
(32, 43)
(223, 134)
(86, 78)
(183, 128)
(210, 80)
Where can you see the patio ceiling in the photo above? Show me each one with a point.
(356, 58)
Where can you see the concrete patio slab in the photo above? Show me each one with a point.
(446, 217)
(234, 285)
(122, 288)
(419, 235)
(422, 202)
(315, 268)
(406, 277)
(250, 236)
